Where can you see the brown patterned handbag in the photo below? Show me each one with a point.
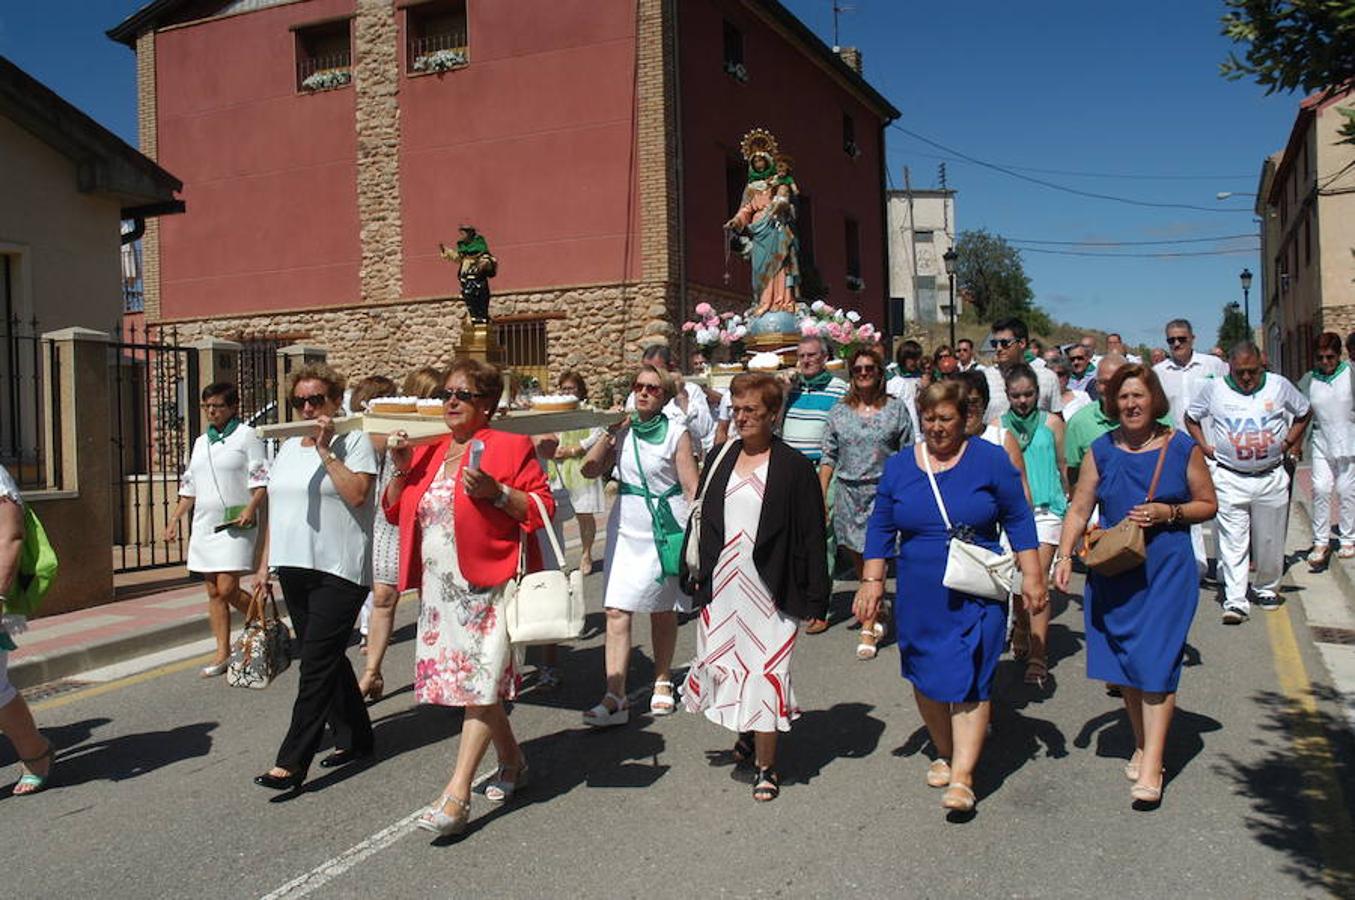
(1121, 547)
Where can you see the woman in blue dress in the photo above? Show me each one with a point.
(949, 642)
(1137, 621)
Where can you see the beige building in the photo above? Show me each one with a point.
(67, 185)
(921, 230)
(1306, 201)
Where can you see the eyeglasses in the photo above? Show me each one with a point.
(644, 387)
(864, 370)
(1001, 343)
(461, 396)
(212, 406)
(316, 400)
(1078, 358)
(945, 355)
(1179, 339)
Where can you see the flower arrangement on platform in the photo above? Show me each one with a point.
(711, 330)
(842, 328)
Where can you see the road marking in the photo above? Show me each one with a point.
(130, 680)
(1330, 818)
(329, 870)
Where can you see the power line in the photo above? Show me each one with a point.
(1064, 188)
(1164, 255)
(1203, 240)
(1142, 176)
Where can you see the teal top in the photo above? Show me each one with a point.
(1042, 471)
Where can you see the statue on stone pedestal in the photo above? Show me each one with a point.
(475, 266)
(766, 220)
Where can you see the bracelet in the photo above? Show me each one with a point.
(398, 473)
(1060, 558)
(328, 458)
(872, 581)
(1177, 514)
(504, 493)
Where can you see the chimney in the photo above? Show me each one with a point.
(852, 57)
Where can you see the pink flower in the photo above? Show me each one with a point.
(704, 309)
(688, 326)
(809, 329)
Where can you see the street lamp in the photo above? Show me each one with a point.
(950, 256)
(1245, 278)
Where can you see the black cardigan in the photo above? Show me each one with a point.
(790, 551)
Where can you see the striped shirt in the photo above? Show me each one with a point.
(807, 416)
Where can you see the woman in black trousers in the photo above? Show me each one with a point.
(319, 542)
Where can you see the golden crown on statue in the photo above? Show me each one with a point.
(758, 142)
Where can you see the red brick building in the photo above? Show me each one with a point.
(327, 146)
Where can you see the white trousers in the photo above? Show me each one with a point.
(1329, 473)
(1253, 512)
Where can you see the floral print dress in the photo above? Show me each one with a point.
(463, 656)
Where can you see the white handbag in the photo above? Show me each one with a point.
(543, 607)
(970, 568)
(693, 553)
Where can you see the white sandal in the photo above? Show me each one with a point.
(601, 716)
(435, 818)
(662, 704)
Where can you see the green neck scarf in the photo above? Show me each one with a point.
(218, 437)
(767, 174)
(473, 246)
(1233, 384)
(1328, 379)
(652, 431)
(1030, 356)
(816, 382)
(1024, 427)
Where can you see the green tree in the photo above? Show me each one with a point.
(1233, 328)
(989, 270)
(1292, 45)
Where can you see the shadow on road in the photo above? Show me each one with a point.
(820, 736)
(81, 759)
(1297, 789)
(1115, 738)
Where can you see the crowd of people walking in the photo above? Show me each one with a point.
(977, 489)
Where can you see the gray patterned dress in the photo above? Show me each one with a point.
(856, 443)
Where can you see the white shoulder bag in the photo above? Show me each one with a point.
(693, 554)
(543, 607)
(970, 568)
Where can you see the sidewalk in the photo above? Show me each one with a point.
(61, 646)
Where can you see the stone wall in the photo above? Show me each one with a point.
(598, 331)
(1340, 319)
(376, 81)
(148, 138)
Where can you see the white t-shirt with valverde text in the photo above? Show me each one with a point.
(310, 525)
(1247, 431)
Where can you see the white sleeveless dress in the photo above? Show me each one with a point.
(632, 580)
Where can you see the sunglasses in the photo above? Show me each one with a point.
(1078, 358)
(642, 387)
(1001, 343)
(1173, 341)
(864, 370)
(462, 396)
(316, 400)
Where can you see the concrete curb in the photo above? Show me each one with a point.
(41, 668)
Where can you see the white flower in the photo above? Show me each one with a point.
(818, 306)
(854, 316)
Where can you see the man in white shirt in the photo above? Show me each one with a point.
(1081, 372)
(1182, 374)
(1256, 418)
(964, 354)
(690, 407)
(1115, 344)
(1009, 342)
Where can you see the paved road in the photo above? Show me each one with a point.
(154, 799)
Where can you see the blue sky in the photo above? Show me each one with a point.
(1067, 85)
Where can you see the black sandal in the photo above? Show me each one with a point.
(743, 749)
(767, 787)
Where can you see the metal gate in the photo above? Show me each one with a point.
(155, 417)
(29, 432)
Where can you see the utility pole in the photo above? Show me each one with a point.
(912, 246)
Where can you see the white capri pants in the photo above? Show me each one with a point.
(1329, 473)
(1253, 512)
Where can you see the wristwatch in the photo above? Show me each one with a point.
(504, 493)
(328, 457)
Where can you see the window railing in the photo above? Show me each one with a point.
(323, 72)
(439, 51)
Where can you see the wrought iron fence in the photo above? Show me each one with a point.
(259, 385)
(526, 350)
(154, 415)
(29, 426)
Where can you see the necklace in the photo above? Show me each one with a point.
(1135, 448)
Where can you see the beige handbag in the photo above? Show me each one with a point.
(693, 554)
(543, 607)
(1121, 547)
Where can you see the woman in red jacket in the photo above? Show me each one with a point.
(461, 521)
